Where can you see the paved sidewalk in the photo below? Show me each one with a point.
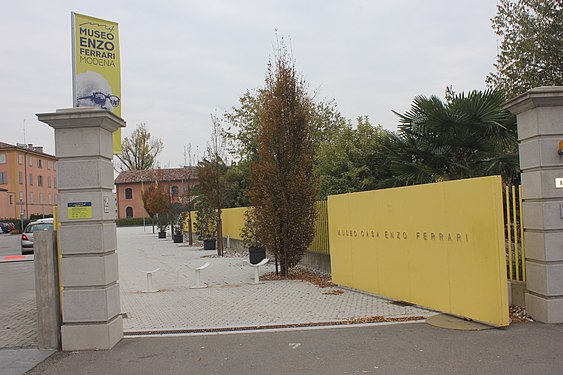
(18, 314)
(231, 300)
(19, 324)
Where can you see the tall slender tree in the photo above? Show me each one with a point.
(139, 151)
(531, 47)
(211, 173)
(283, 187)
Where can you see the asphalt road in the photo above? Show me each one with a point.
(9, 244)
(17, 279)
(522, 348)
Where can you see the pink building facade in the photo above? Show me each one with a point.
(27, 181)
(130, 185)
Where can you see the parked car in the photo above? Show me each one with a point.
(36, 226)
(5, 227)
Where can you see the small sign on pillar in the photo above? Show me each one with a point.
(106, 205)
(79, 210)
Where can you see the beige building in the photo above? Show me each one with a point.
(27, 181)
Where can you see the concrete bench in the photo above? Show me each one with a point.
(256, 267)
(149, 281)
(198, 284)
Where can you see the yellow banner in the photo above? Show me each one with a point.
(96, 66)
(438, 245)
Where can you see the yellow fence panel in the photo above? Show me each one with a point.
(437, 245)
(233, 222)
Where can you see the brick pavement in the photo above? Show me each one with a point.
(18, 327)
(230, 300)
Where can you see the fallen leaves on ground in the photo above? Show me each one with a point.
(303, 274)
(380, 319)
(336, 292)
(518, 314)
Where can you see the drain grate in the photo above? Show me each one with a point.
(402, 303)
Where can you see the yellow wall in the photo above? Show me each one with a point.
(233, 221)
(437, 245)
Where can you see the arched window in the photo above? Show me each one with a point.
(129, 212)
(174, 191)
(128, 193)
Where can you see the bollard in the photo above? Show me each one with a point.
(198, 284)
(256, 266)
(149, 281)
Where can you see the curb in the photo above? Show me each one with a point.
(16, 258)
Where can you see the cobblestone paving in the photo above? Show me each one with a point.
(231, 300)
(18, 327)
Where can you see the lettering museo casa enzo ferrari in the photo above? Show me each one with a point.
(437, 245)
(96, 66)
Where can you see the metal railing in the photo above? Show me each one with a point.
(320, 242)
(514, 233)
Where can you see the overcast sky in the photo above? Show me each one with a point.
(183, 60)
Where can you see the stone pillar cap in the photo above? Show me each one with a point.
(545, 96)
(82, 117)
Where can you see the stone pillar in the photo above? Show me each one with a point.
(540, 129)
(47, 290)
(91, 310)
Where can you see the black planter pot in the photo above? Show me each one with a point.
(210, 244)
(178, 238)
(162, 234)
(257, 254)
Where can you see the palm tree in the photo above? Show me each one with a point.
(468, 135)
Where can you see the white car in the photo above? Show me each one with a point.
(35, 226)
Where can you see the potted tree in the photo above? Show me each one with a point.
(176, 211)
(206, 225)
(180, 228)
(178, 236)
(251, 239)
(162, 225)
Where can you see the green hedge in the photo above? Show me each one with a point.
(130, 221)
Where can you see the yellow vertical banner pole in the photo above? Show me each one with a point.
(523, 253)
(516, 252)
(509, 230)
(59, 256)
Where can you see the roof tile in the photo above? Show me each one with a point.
(171, 174)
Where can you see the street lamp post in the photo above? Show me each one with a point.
(21, 213)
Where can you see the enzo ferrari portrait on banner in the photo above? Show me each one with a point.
(96, 66)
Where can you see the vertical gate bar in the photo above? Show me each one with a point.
(508, 225)
(523, 253)
(516, 255)
(325, 226)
